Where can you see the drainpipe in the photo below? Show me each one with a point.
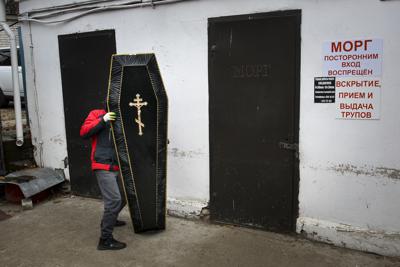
(15, 77)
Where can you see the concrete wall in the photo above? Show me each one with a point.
(349, 169)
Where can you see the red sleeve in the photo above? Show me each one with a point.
(92, 124)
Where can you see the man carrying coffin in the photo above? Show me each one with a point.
(105, 166)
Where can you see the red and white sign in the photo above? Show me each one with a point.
(353, 58)
(357, 66)
(358, 99)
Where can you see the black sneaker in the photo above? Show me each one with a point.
(110, 244)
(119, 223)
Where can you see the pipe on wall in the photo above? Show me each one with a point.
(15, 77)
(93, 9)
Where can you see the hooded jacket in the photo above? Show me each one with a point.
(103, 155)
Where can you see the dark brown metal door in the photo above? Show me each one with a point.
(254, 68)
(85, 66)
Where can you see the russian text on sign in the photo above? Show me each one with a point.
(362, 83)
(356, 115)
(350, 45)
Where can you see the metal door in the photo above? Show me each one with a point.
(85, 65)
(254, 68)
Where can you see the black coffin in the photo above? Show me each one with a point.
(137, 95)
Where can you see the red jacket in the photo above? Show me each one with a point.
(103, 154)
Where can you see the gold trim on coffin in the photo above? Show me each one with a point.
(152, 87)
(166, 135)
(157, 145)
(126, 146)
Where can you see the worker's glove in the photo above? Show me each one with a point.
(110, 116)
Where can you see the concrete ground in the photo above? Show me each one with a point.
(64, 232)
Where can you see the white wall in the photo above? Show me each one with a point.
(349, 170)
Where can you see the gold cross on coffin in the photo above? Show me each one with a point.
(137, 102)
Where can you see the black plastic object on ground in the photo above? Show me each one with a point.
(137, 95)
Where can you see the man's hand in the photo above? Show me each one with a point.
(110, 116)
